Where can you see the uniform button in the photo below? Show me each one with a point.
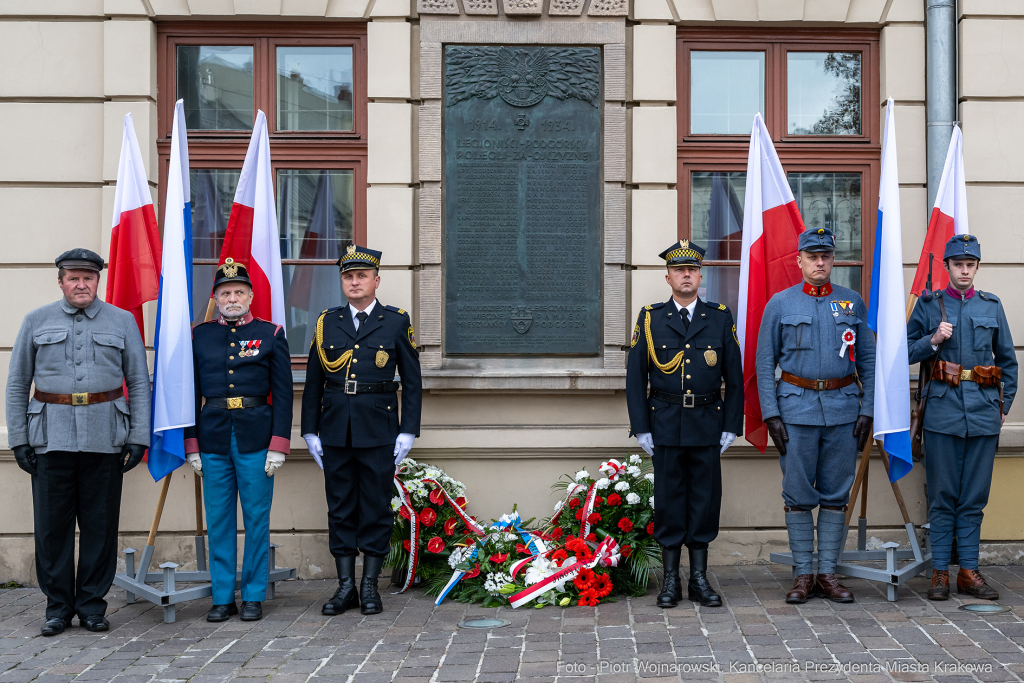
(231, 372)
(79, 347)
(688, 391)
(80, 379)
(78, 318)
(78, 362)
(354, 360)
(352, 374)
(687, 346)
(719, 407)
(231, 386)
(78, 332)
(232, 329)
(687, 360)
(663, 346)
(687, 377)
(389, 407)
(332, 346)
(231, 357)
(232, 344)
(357, 346)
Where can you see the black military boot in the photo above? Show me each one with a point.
(699, 589)
(671, 589)
(346, 596)
(370, 602)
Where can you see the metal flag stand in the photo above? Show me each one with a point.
(920, 559)
(137, 583)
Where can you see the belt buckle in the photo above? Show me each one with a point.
(350, 387)
(966, 375)
(688, 400)
(80, 399)
(235, 403)
(821, 384)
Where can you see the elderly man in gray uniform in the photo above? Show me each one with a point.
(817, 415)
(77, 436)
(974, 381)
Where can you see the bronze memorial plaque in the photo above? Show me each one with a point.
(522, 133)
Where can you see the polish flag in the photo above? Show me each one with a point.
(771, 227)
(133, 277)
(949, 217)
(252, 237)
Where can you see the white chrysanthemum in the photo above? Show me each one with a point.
(622, 486)
(602, 483)
(495, 582)
(649, 476)
(633, 471)
(635, 459)
(396, 503)
(558, 505)
(458, 556)
(632, 498)
(651, 501)
(582, 474)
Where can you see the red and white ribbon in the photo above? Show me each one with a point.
(571, 491)
(849, 338)
(414, 534)
(606, 554)
(473, 525)
(613, 468)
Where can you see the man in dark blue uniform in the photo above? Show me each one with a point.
(684, 349)
(352, 425)
(242, 367)
(974, 380)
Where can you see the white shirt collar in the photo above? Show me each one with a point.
(688, 309)
(367, 310)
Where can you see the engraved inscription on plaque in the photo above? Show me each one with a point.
(522, 133)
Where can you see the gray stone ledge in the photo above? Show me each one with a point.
(551, 32)
(526, 380)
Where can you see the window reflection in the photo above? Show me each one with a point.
(213, 191)
(833, 201)
(216, 84)
(314, 88)
(726, 90)
(823, 92)
(721, 285)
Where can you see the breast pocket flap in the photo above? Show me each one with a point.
(984, 321)
(796, 320)
(50, 337)
(111, 340)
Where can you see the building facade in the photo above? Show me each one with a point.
(355, 97)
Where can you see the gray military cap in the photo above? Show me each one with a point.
(80, 259)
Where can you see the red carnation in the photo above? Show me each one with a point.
(435, 545)
(626, 550)
(591, 536)
(498, 558)
(405, 544)
(449, 526)
(436, 497)
(574, 503)
(461, 502)
(556, 533)
(579, 513)
(588, 599)
(468, 540)
(614, 499)
(598, 500)
(428, 516)
(650, 528)
(594, 518)
(602, 585)
(626, 524)
(404, 511)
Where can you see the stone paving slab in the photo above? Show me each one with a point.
(755, 636)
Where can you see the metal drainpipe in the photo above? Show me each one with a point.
(940, 83)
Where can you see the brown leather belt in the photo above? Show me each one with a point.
(82, 399)
(952, 374)
(818, 384)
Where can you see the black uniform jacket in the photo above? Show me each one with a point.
(711, 353)
(247, 359)
(385, 343)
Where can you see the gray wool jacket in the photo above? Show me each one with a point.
(65, 350)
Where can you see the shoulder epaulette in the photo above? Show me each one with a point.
(713, 305)
(393, 309)
(988, 296)
(207, 322)
(926, 295)
(654, 307)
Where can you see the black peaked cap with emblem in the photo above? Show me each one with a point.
(359, 258)
(80, 259)
(683, 253)
(231, 271)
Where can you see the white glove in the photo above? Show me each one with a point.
(403, 444)
(196, 462)
(274, 460)
(646, 442)
(727, 439)
(315, 448)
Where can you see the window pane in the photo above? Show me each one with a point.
(716, 213)
(314, 88)
(833, 201)
(213, 191)
(824, 93)
(847, 276)
(216, 84)
(726, 90)
(309, 290)
(721, 284)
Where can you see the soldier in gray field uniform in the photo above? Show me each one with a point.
(76, 435)
(817, 415)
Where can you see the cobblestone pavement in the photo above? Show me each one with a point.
(415, 642)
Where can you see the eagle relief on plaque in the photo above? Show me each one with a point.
(522, 132)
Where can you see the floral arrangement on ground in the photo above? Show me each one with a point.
(596, 544)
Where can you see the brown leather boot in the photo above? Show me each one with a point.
(828, 586)
(940, 585)
(971, 582)
(801, 589)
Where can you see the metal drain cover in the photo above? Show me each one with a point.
(985, 608)
(484, 623)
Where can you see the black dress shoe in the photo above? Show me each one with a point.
(222, 612)
(251, 611)
(95, 622)
(53, 626)
(346, 597)
(369, 598)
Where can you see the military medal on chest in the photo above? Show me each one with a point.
(382, 357)
(250, 348)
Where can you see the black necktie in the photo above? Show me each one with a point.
(686, 318)
(361, 317)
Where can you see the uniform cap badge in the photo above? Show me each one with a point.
(230, 268)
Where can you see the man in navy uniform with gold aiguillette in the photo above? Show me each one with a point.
(684, 349)
(350, 421)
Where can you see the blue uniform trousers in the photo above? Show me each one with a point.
(819, 466)
(959, 474)
(227, 478)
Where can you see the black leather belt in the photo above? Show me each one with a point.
(237, 402)
(685, 400)
(352, 387)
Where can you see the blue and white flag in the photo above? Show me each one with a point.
(174, 402)
(887, 316)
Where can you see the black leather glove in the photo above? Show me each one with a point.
(134, 453)
(26, 457)
(778, 432)
(862, 430)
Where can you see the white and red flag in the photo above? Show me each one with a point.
(949, 217)
(252, 237)
(771, 227)
(133, 277)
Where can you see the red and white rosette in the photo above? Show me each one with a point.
(849, 339)
(606, 554)
(414, 533)
(613, 468)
